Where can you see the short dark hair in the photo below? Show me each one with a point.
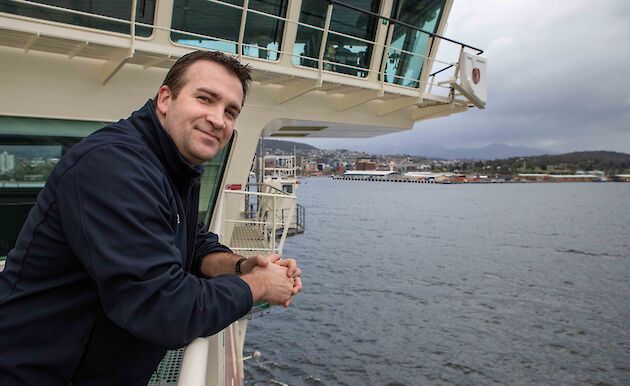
(175, 77)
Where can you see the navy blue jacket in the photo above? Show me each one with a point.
(104, 276)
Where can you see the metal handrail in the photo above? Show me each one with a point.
(394, 21)
(248, 222)
(271, 188)
(245, 192)
(300, 220)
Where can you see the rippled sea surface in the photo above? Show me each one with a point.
(418, 284)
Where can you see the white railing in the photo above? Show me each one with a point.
(217, 360)
(261, 225)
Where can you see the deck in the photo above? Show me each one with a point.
(248, 240)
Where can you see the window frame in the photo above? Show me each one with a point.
(279, 52)
(91, 29)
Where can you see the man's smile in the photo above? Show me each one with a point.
(207, 134)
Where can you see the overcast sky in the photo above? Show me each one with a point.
(559, 77)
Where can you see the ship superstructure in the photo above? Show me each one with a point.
(327, 69)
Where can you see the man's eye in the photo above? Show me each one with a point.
(204, 98)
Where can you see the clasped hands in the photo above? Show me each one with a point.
(280, 278)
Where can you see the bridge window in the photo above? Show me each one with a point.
(120, 9)
(29, 150)
(221, 24)
(402, 67)
(344, 54)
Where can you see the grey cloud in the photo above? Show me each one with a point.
(558, 77)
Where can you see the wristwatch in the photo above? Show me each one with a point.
(237, 267)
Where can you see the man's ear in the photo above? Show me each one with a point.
(164, 99)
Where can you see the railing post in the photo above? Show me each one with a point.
(322, 48)
(456, 74)
(273, 236)
(461, 51)
(132, 25)
(219, 226)
(388, 42)
(286, 225)
(241, 32)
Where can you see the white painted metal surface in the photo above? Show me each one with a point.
(473, 79)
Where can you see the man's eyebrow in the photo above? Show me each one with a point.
(208, 91)
(217, 96)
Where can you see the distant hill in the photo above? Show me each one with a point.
(278, 146)
(582, 160)
(496, 151)
(490, 152)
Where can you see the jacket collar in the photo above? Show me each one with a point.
(145, 120)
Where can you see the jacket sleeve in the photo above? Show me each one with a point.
(116, 217)
(206, 242)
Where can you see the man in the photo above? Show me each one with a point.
(111, 268)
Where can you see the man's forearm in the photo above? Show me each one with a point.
(219, 263)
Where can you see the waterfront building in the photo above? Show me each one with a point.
(7, 162)
(309, 167)
(365, 164)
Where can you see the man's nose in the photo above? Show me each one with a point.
(216, 118)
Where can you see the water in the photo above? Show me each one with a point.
(419, 284)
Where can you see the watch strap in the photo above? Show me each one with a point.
(237, 266)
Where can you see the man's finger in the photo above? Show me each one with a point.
(291, 264)
(273, 257)
(297, 286)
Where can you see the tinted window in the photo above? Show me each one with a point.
(211, 182)
(262, 36)
(120, 9)
(401, 67)
(343, 54)
(25, 163)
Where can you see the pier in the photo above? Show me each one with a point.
(390, 179)
(416, 180)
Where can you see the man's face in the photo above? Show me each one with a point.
(201, 119)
